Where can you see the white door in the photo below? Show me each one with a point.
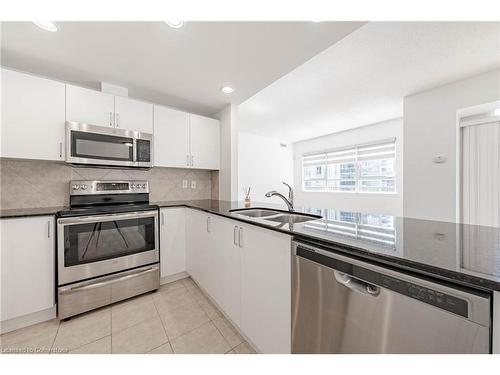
(205, 142)
(133, 114)
(89, 106)
(266, 289)
(27, 266)
(171, 138)
(226, 266)
(32, 117)
(172, 241)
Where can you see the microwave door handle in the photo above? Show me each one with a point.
(134, 149)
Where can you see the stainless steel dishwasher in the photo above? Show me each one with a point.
(343, 305)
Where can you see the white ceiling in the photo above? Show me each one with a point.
(184, 67)
(363, 78)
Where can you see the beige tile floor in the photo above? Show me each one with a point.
(178, 318)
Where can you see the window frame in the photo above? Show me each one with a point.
(357, 174)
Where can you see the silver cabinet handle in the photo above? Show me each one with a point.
(117, 118)
(208, 224)
(60, 150)
(235, 235)
(162, 218)
(240, 237)
(110, 118)
(48, 229)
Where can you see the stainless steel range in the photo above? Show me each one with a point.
(107, 245)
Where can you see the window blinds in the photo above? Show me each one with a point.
(358, 168)
(480, 171)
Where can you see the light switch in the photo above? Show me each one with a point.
(184, 184)
(193, 184)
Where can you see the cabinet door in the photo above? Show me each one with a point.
(226, 266)
(32, 117)
(27, 266)
(198, 247)
(133, 114)
(89, 106)
(265, 289)
(205, 142)
(172, 241)
(171, 138)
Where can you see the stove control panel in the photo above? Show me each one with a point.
(84, 187)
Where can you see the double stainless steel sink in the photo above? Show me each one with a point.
(275, 215)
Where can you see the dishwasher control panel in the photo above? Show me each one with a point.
(432, 297)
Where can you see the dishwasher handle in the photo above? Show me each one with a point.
(356, 284)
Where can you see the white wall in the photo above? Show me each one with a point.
(228, 173)
(430, 130)
(376, 203)
(263, 164)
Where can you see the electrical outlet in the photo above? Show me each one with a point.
(193, 184)
(184, 184)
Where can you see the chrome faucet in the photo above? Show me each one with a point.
(289, 201)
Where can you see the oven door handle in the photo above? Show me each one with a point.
(109, 281)
(110, 217)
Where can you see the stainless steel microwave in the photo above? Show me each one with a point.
(103, 146)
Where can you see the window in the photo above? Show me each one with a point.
(367, 168)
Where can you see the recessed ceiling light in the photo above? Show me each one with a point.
(46, 25)
(175, 24)
(496, 112)
(227, 90)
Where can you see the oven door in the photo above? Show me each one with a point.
(98, 145)
(93, 246)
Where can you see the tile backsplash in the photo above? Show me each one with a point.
(37, 183)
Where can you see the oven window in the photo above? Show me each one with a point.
(93, 242)
(101, 146)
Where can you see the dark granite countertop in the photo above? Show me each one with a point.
(459, 253)
(24, 212)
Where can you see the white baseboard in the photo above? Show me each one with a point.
(27, 320)
(174, 277)
(236, 326)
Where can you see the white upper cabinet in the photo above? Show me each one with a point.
(34, 111)
(32, 117)
(205, 142)
(103, 109)
(184, 140)
(171, 138)
(133, 114)
(27, 266)
(89, 106)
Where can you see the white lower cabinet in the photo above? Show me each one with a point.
(27, 266)
(172, 241)
(246, 271)
(266, 289)
(226, 261)
(198, 259)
